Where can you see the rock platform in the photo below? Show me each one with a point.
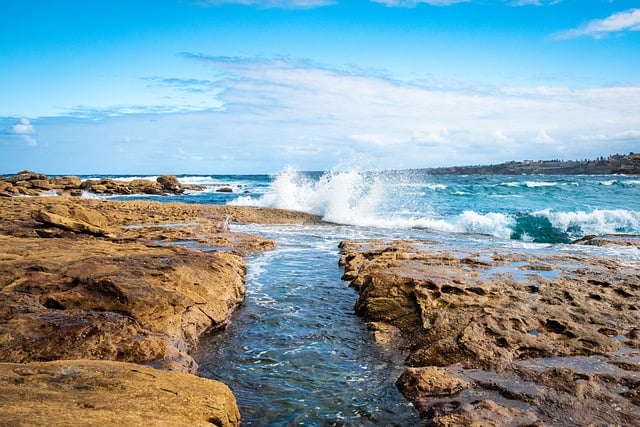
(501, 337)
(101, 303)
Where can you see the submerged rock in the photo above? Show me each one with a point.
(492, 315)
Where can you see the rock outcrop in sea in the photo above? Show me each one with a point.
(499, 337)
(32, 184)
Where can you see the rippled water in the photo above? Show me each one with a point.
(295, 353)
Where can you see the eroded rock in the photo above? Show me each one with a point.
(491, 313)
(73, 218)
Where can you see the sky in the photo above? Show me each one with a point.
(254, 86)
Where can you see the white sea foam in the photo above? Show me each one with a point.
(354, 198)
(131, 178)
(536, 184)
(599, 221)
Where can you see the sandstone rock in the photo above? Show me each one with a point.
(27, 175)
(485, 413)
(90, 393)
(7, 189)
(493, 314)
(145, 186)
(89, 298)
(42, 184)
(66, 182)
(170, 184)
(430, 381)
(75, 218)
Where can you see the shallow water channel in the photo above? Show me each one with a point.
(295, 353)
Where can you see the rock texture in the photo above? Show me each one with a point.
(505, 338)
(92, 393)
(87, 285)
(32, 184)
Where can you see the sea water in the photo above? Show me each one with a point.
(295, 353)
(530, 208)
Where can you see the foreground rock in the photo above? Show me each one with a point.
(92, 393)
(505, 338)
(93, 280)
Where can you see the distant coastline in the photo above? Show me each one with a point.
(622, 164)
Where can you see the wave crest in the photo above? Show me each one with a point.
(396, 202)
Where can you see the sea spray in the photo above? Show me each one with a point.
(345, 197)
(506, 209)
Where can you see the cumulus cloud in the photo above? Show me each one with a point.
(293, 103)
(25, 130)
(628, 20)
(267, 4)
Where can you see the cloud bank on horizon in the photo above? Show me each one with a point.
(250, 86)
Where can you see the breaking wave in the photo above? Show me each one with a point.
(405, 202)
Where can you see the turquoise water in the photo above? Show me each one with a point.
(532, 208)
(295, 353)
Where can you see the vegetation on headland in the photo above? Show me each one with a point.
(622, 164)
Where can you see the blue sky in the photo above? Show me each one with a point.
(252, 86)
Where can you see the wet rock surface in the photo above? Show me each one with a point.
(137, 282)
(505, 338)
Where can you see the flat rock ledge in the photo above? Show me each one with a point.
(93, 393)
(101, 303)
(499, 337)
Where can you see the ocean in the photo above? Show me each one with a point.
(295, 353)
(529, 208)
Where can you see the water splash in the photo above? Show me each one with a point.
(403, 200)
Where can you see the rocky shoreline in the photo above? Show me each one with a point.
(28, 183)
(101, 304)
(501, 337)
(103, 301)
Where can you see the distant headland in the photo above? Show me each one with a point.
(623, 164)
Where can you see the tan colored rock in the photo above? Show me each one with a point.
(6, 189)
(486, 413)
(67, 182)
(89, 298)
(431, 382)
(42, 184)
(27, 175)
(73, 218)
(90, 393)
(496, 314)
(145, 186)
(170, 183)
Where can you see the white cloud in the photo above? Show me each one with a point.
(26, 130)
(414, 3)
(284, 4)
(628, 20)
(517, 3)
(289, 103)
